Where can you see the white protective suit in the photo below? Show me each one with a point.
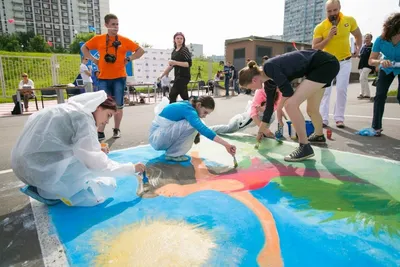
(175, 137)
(59, 153)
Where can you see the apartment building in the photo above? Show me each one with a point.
(58, 21)
(300, 19)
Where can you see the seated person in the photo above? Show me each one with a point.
(59, 158)
(25, 94)
(176, 125)
(252, 115)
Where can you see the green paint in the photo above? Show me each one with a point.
(363, 205)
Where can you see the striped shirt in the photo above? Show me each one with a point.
(182, 55)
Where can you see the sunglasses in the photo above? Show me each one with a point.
(24, 76)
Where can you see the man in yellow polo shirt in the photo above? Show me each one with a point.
(332, 36)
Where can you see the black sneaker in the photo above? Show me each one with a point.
(316, 138)
(197, 139)
(116, 133)
(304, 151)
(101, 136)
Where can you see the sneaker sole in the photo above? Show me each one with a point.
(317, 142)
(101, 139)
(299, 159)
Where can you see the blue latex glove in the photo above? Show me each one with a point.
(366, 132)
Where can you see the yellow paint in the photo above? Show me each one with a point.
(155, 243)
(66, 201)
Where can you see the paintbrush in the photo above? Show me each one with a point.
(143, 185)
(235, 164)
(257, 145)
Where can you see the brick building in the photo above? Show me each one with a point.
(239, 50)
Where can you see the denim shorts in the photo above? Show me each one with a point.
(114, 88)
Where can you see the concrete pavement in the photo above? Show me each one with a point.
(18, 238)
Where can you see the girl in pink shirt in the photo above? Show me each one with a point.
(252, 115)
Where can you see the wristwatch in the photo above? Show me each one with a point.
(128, 59)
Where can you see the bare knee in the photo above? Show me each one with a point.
(291, 104)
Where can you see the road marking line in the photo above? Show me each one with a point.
(369, 117)
(52, 250)
(6, 171)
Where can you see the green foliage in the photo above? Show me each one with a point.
(38, 44)
(20, 42)
(393, 93)
(81, 37)
(363, 205)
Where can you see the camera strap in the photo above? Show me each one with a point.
(115, 47)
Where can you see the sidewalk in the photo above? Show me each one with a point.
(6, 108)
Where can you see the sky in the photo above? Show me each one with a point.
(210, 22)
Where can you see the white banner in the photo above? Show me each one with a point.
(151, 65)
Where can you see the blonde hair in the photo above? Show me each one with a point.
(247, 74)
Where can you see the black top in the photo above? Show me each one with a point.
(282, 70)
(234, 72)
(364, 56)
(182, 55)
(270, 91)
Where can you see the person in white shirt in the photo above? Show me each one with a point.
(165, 84)
(86, 74)
(26, 94)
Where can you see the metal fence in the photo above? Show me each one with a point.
(44, 71)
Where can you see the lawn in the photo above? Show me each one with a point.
(39, 67)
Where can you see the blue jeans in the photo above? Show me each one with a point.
(226, 86)
(114, 88)
(382, 88)
(236, 86)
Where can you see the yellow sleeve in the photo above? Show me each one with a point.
(353, 24)
(318, 32)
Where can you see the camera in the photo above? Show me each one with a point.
(116, 43)
(110, 58)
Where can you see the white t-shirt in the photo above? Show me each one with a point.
(86, 78)
(30, 84)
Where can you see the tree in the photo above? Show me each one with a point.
(38, 44)
(18, 42)
(24, 39)
(75, 47)
(10, 42)
(146, 45)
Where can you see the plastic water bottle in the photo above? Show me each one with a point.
(395, 64)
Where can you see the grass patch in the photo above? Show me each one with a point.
(39, 67)
(392, 93)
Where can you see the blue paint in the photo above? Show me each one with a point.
(304, 240)
(332, 244)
